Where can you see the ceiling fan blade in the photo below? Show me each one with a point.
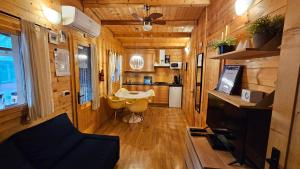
(155, 15)
(159, 22)
(137, 17)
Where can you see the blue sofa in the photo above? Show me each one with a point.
(56, 144)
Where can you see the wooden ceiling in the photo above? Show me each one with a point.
(180, 17)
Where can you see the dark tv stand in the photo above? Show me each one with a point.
(247, 127)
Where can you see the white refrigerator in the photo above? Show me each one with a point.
(175, 96)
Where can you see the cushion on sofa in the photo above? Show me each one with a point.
(12, 158)
(92, 153)
(48, 142)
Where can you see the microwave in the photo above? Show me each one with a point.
(175, 65)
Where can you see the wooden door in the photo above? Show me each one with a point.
(83, 86)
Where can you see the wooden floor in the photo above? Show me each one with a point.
(156, 143)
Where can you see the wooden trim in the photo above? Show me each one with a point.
(9, 24)
(154, 35)
(16, 108)
(134, 22)
(177, 3)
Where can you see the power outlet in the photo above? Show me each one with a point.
(66, 93)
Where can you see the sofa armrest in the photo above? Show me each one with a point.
(103, 137)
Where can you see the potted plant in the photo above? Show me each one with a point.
(265, 28)
(260, 30)
(225, 46)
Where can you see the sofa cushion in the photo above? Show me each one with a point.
(92, 153)
(45, 144)
(12, 158)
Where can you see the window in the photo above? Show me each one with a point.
(85, 74)
(11, 72)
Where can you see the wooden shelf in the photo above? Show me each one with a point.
(233, 99)
(248, 53)
(161, 66)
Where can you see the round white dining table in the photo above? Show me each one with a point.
(131, 95)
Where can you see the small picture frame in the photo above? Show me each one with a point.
(231, 79)
(53, 37)
(63, 36)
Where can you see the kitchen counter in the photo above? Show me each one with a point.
(153, 84)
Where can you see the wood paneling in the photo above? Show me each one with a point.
(178, 3)
(11, 123)
(158, 74)
(284, 132)
(118, 19)
(259, 74)
(147, 55)
(31, 10)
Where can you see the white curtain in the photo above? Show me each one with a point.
(121, 75)
(111, 71)
(35, 53)
(95, 78)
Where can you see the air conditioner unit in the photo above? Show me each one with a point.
(73, 17)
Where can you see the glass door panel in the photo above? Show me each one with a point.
(85, 74)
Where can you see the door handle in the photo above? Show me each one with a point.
(79, 97)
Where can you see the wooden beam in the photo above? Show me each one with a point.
(118, 3)
(134, 22)
(154, 45)
(154, 35)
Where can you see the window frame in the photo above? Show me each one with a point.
(20, 108)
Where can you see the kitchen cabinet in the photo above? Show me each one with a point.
(161, 94)
(149, 59)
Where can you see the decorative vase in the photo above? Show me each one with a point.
(226, 48)
(260, 39)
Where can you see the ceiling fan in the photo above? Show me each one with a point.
(149, 20)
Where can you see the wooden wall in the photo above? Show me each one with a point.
(106, 42)
(284, 133)
(10, 122)
(31, 10)
(259, 74)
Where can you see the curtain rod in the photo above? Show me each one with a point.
(19, 18)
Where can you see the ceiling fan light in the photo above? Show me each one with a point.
(147, 26)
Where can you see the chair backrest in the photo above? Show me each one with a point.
(115, 102)
(138, 106)
(121, 90)
(151, 92)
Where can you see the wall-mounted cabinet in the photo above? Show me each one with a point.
(148, 59)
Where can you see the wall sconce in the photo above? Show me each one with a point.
(136, 62)
(241, 6)
(51, 15)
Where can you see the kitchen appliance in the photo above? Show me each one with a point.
(147, 79)
(177, 80)
(162, 56)
(175, 65)
(167, 58)
(175, 96)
